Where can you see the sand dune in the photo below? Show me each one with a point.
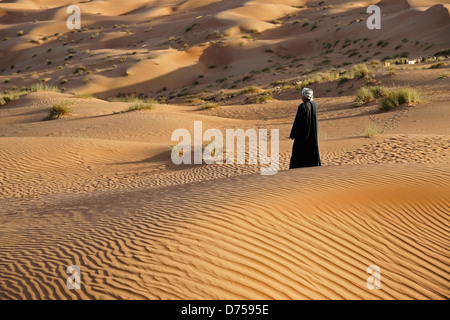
(97, 188)
(169, 45)
(313, 237)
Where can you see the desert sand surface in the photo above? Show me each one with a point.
(97, 188)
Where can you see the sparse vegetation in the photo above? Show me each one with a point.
(141, 106)
(360, 71)
(366, 95)
(357, 71)
(264, 97)
(382, 44)
(398, 96)
(363, 96)
(80, 70)
(194, 101)
(84, 96)
(248, 37)
(438, 65)
(209, 105)
(251, 89)
(190, 27)
(59, 109)
(372, 129)
(8, 96)
(379, 91)
(39, 86)
(133, 99)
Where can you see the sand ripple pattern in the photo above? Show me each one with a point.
(86, 165)
(312, 238)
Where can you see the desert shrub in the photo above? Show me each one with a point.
(80, 70)
(194, 101)
(368, 94)
(39, 86)
(8, 96)
(360, 71)
(59, 109)
(264, 97)
(131, 98)
(357, 71)
(141, 106)
(327, 76)
(209, 105)
(379, 91)
(374, 63)
(190, 27)
(251, 89)
(398, 96)
(363, 96)
(438, 65)
(373, 129)
(84, 96)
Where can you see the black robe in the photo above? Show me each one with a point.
(305, 152)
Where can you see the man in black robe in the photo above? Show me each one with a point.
(305, 152)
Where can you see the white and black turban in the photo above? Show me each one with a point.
(308, 94)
